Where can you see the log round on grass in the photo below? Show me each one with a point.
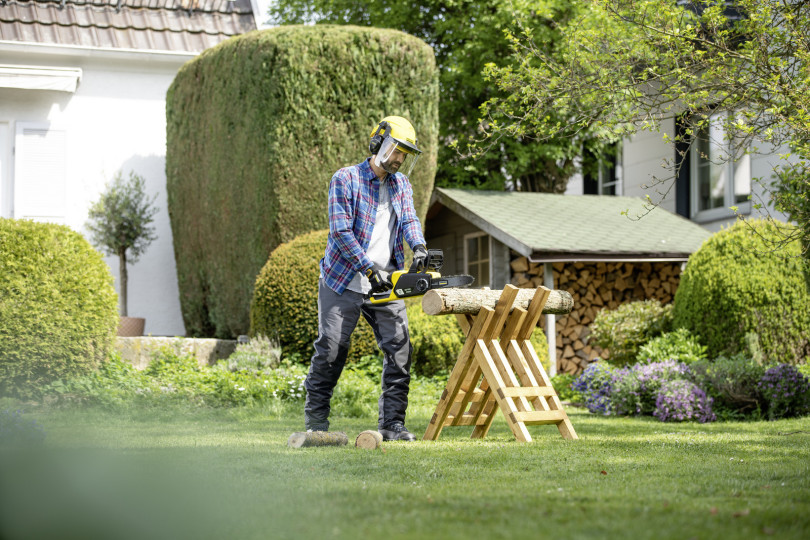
(302, 439)
(369, 439)
(470, 301)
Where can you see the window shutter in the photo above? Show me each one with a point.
(39, 179)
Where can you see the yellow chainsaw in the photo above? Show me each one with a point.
(419, 279)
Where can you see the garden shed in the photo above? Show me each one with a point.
(604, 250)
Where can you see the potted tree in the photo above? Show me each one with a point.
(119, 224)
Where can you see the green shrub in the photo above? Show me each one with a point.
(678, 345)
(257, 126)
(58, 314)
(562, 383)
(258, 354)
(177, 380)
(625, 329)
(285, 300)
(733, 383)
(436, 340)
(736, 284)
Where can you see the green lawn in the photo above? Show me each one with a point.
(228, 474)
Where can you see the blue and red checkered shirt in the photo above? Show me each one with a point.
(354, 194)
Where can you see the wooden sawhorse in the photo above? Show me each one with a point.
(498, 367)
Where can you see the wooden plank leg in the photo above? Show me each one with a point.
(566, 427)
(487, 365)
(460, 371)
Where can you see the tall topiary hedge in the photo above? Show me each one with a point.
(257, 126)
(58, 313)
(736, 285)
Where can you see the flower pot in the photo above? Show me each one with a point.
(131, 326)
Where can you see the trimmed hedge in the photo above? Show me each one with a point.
(624, 330)
(285, 308)
(736, 284)
(58, 307)
(257, 126)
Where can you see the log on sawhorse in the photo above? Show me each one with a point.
(498, 368)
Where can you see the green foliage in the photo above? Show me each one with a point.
(173, 379)
(625, 329)
(119, 223)
(466, 35)
(119, 220)
(257, 126)
(436, 340)
(732, 381)
(58, 312)
(736, 284)
(285, 300)
(562, 385)
(679, 345)
(791, 194)
(258, 354)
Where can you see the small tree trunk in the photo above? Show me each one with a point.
(302, 439)
(122, 258)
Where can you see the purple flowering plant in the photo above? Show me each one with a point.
(634, 390)
(680, 400)
(595, 385)
(786, 391)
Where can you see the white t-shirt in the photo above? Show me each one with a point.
(381, 245)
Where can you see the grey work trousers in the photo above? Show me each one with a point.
(338, 314)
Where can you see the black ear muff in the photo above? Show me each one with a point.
(377, 139)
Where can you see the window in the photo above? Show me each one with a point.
(602, 174)
(39, 176)
(476, 258)
(720, 173)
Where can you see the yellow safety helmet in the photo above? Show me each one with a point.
(394, 145)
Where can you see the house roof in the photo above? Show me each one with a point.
(549, 227)
(152, 25)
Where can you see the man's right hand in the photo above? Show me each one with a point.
(380, 280)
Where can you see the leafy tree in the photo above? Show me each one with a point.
(119, 223)
(466, 35)
(629, 65)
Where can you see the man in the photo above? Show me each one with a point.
(371, 213)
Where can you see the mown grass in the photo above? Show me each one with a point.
(228, 474)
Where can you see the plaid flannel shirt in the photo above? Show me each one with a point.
(353, 199)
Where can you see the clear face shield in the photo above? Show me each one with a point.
(395, 156)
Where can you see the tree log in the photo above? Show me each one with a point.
(301, 439)
(470, 301)
(370, 440)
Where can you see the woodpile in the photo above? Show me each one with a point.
(595, 286)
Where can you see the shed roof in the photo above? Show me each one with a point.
(152, 25)
(550, 227)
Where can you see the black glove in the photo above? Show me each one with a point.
(420, 255)
(380, 280)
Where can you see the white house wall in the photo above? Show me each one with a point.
(647, 160)
(114, 121)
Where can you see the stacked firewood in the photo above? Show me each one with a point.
(595, 286)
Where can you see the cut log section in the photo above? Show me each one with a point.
(303, 439)
(370, 440)
(470, 301)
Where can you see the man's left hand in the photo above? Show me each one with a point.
(420, 256)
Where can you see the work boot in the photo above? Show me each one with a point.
(397, 432)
